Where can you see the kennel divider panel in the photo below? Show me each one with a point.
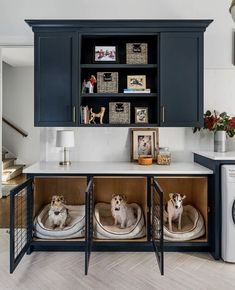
(72, 187)
(135, 188)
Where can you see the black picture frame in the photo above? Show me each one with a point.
(105, 61)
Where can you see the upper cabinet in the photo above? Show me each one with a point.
(55, 78)
(144, 73)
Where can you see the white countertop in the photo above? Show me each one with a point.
(230, 155)
(117, 168)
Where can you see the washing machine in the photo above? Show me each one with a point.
(228, 213)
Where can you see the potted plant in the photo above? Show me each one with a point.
(222, 125)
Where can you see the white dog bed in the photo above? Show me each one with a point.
(193, 226)
(75, 229)
(104, 224)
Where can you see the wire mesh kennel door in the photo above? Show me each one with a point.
(21, 201)
(157, 224)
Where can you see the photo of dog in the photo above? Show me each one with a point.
(144, 145)
(174, 209)
(58, 213)
(122, 213)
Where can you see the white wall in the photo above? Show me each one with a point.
(18, 107)
(113, 143)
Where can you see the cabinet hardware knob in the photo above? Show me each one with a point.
(74, 114)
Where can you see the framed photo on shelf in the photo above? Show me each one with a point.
(141, 115)
(105, 54)
(145, 143)
(136, 82)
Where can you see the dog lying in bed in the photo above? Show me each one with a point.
(58, 213)
(122, 213)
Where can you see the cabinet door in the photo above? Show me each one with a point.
(55, 79)
(181, 79)
(157, 224)
(21, 222)
(89, 223)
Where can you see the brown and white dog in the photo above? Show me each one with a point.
(58, 213)
(122, 213)
(174, 209)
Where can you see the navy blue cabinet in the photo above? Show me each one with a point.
(181, 79)
(64, 57)
(55, 78)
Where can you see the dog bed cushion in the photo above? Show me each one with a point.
(104, 224)
(75, 229)
(192, 226)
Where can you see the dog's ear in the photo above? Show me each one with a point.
(124, 197)
(113, 195)
(184, 197)
(62, 198)
(171, 195)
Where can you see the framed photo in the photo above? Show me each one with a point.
(136, 82)
(141, 115)
(144, 143)
(105, 54)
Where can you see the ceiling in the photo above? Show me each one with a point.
(18, 56)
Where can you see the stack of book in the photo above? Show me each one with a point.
(137, 91)
(85, 114)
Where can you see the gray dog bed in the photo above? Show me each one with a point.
(104, 224)
(75, 229)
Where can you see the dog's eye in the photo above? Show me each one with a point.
(115, 198)
(120, 199)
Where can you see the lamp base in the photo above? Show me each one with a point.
(65, 163)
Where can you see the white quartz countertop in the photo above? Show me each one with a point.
(117, 168)
(216, 155)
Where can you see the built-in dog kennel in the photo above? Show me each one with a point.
(73, 190)
(195, 214)
(135, 190)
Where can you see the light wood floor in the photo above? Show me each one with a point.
(119, 271)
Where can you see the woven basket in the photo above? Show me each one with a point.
(107, 82)
(136, 53)
(119, 113)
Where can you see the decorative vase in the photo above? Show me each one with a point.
(220, 141)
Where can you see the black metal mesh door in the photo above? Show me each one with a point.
(89, 222)
(20, 222)
(157, 224)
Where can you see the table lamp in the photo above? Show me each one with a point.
(65, 138)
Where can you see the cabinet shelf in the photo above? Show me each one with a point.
(118, 95)
(117, 65)
(119, 125)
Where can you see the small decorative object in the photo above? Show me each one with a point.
(136, 53)
(88, 85)
(99, 115)
(145, 160)
(119, 113)
(104, 54)
(164, 156)
(65, 138)
(141, 115)
(107, 82)
(136, 82)
(222, 125)
(144, 143)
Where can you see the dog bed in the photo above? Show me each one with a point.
(192, 226)
(104, 224)
(75, 229)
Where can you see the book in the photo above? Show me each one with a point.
(84, 114)
(136, 91)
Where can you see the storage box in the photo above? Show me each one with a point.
(136, 53)
(107, 82)
(119, 113)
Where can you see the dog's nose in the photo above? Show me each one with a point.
(176, 206)
(56, 212)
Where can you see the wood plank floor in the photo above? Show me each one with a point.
(118, 271)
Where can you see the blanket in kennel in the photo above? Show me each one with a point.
(104, 227)
(75, 229)
(192, 224)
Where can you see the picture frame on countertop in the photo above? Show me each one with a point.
(144, 143)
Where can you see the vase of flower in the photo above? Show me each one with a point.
(222, 125)
(220, 141)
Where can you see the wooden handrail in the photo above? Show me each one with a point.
(14, 127)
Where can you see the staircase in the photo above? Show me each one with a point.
(10, 170)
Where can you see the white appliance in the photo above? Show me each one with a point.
(228, 213)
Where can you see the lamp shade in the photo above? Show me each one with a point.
(65, 138)
(232, 10)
